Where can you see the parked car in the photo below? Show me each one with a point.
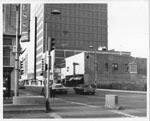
(84, 89)
(61, 89)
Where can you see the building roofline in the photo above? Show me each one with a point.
(102, 52)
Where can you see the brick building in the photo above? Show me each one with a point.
(110, 69)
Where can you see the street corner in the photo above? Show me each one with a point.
(32, 115)
(27, 114)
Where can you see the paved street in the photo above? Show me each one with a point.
(72, 105)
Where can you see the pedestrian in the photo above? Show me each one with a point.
(50, 89)
(53, 91)
(43, 91)
(95, 85)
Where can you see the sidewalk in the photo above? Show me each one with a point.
(27, 111)
(59, 109)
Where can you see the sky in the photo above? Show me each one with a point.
(128, 27)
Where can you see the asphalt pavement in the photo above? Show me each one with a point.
(59, 109)
(76, 106)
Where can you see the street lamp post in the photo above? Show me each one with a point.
(53, 12)
(16, 93)
(95, 65)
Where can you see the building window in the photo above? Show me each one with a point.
(7, 41)
(6, 56)
(106, 66)
(126, 68)
(133, 67)
(115, 67)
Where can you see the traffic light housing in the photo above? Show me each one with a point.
(22, 72)
(21, 68)
(52, 44)
(43, 65)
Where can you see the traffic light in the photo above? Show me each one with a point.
(42, 66)
(21, 68)
(22, 72)
(52, 44)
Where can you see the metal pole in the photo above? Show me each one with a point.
(55, 12)
(47, 83)
(48, 75)
(35, 48)
(95, 67)
(16, 93)
(53, 67)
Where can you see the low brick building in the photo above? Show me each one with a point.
(109, 69)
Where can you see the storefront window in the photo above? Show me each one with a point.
(106, 66)
(6, 56)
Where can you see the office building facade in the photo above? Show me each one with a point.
(74, 30)
(9, 40)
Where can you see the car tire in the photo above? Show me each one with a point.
(93, 93)
(82, 92)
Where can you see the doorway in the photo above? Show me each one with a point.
(7, 83)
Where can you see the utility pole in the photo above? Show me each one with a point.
(35, 48)
(48, 39)
(16, 93)
(48, 76)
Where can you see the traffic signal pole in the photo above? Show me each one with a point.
(48, 76)
(49, 42)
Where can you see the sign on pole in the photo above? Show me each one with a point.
(25, 23)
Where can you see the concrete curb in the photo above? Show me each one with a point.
(33, 111)
(142, 92)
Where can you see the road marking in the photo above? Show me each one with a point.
(114, 111)
(82, 104)
(125, 114)
(55, 115)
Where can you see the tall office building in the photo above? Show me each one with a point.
(74, 30)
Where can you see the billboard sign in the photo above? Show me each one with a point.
(25, 22)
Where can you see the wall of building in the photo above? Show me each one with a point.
(39, 13)
(9, 18)
(9, 58)
(79, 69)
(9, 40)
(141, 66)
(120, 78)
(77, 25)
